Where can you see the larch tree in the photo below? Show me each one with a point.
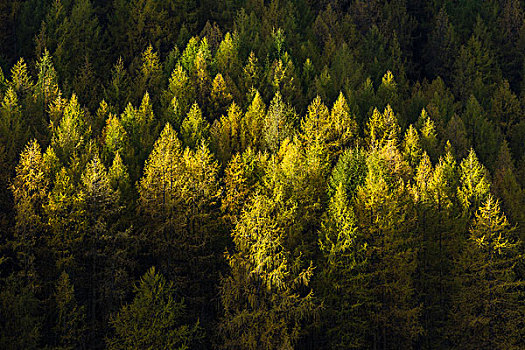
(30, 187)
(70, 325)
(225, 134)
(384, 218)
(474, 185)
(220, 97)
(265, 296)
(252, 134)
(278, 123)
(195, 128)
(341, 283)
(411, 147)
(178, 96)
(179, 198)
(487, 312)
(382, 128)
(154, 320)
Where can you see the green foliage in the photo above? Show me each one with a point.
(281, 148)
(262, 298)
(29, 188)
(344, 259)
(21, 323)
(70, 321)
(227, 134)
(487, 310)
(194, 129)
(178, 198)
(253, 124)
(278, 123)
(350, 172)
(474, 185)
(154, 320)
(382, 207)
(412, 147)
(383, 128)
(20, 80)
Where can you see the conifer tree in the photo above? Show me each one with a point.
(316, 124)
(387, 92)
(474, 185)
(487, 311)
(12, 125)
(115, 138)
(29, 188)
(350, 171)
(383, 218)
(343, 127)
(138, 124)
(119, 179)
(252, 134)
(117, 91)
(278, 123)
(45, 91)
(341, 282)
(220, 97)
(63, 211)
(382, 128)
(506, 108)
(412, 147)
(70, 320)
(242, 177)
(150, 75)
(154, 320)
(252, 74)
(20, 79)
(179, 95)
(178, 197)
(195, 128)
(71, 135)
(226, 58)
(200, 73)
(226, 134)
(265, 297)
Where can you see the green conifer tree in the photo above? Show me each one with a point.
(154, 320)
(487, 311)
(195, 128)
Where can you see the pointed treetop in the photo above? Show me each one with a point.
(424, 174)
(474, 185)
(194, 127)
(145, 112)
(20, 79)
(383, 127)
(226, 55)
(491, 231)
(30, 176)
(315, 125)
(118, 175)
(278, 122)
(150, 62)
(47, 84)
(10, 102)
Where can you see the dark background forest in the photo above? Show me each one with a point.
(249, 174)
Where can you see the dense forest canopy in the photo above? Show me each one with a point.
(262, 174)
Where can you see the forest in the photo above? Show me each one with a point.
(262, 174)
